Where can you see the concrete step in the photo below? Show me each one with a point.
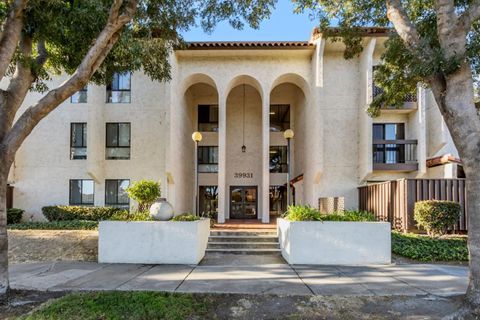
(243, 245)
(228, 233)
(247, 251)
(270, 238)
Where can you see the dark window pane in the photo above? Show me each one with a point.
(122, 192)
(112, 134)
(111, 191)
(208, 118)
(124, 135)
(278, 159)
(75, 191)
(82, 192)
(119, 91)
(378, 132)
(207, 159)
(279, 117)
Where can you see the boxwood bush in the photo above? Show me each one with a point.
(436, 216)
(68, 213)
(14, 215)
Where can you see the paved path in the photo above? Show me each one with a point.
(244, 274)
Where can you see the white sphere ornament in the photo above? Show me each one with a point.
(161, 210)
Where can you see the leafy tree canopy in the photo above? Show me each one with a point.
(401, 69)
(62, 28)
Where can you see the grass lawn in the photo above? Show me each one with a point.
(123, 305)
(424, 248)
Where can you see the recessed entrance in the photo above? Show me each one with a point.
(243, 202)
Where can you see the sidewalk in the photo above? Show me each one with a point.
(244, 274)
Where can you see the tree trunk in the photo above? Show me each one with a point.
(4, 286)
(473, 206)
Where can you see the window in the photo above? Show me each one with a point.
(208, 118)
(208, 159)
(278, 200)
(119, 91)
(279, 117)
(116, 193)
(208, 201)
(389, 145)
(78, 141)
(82, 192)
(79, 96)
(118, 141)
(278, 159)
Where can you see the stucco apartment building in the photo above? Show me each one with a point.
(241, 96)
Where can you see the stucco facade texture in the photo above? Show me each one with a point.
(327, 94)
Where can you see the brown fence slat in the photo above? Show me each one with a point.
(394, 200)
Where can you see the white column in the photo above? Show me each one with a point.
(265, 188)
(222, 158)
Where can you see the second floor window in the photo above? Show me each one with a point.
(119, 91)
(390, 146)
(118, 141)
(82, 192)
(79, 96)
(116, 193)
(279, 117)
(208, 118)
(207, 159)
(78, 141)
(278, 159)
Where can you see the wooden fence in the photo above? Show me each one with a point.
(394, 200)
(9, 197)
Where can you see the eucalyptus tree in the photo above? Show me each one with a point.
(436, 43)
(89, 40)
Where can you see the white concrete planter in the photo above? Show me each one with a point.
(335, 243)
(153, 242)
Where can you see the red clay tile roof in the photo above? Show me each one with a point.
(249, 44)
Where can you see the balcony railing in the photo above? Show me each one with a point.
(411, 97)
(399, 155)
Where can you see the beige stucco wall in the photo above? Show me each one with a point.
(328, 96)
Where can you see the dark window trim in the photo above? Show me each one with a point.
(118, 138)
(204, 147)
(118, 184)
(208, 122)
(110, 86)
(84, 142)
(81, 202)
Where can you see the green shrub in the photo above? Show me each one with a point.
(302, 213)
(424, 248)
(68, 213)
(357, 215)
(145, 192)
(14, 215)
(56, 225)
(125, 215)
(186, 217)
(435, 216)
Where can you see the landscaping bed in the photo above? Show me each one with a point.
(52, 245)
(426, 249)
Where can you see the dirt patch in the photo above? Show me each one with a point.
(52, 245)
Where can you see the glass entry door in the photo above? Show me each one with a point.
(243, 202)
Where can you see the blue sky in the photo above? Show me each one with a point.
(282, 25)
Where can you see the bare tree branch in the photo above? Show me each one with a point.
(11, 34)
(404, 27)
(90, 63)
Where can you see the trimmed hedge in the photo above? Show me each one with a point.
(56, 225)
(424, 248)
(186, 217)
(307, 213)
(69, 213)
(436, 216)
(14, 215)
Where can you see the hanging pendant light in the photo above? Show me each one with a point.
(244, 148)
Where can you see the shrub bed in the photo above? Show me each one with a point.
(186, 217)
(68, 213)
(436, 216)
(14, 215)
(424, 248)
(56, 225)
(307, 213)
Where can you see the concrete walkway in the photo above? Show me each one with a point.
(244, 274)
